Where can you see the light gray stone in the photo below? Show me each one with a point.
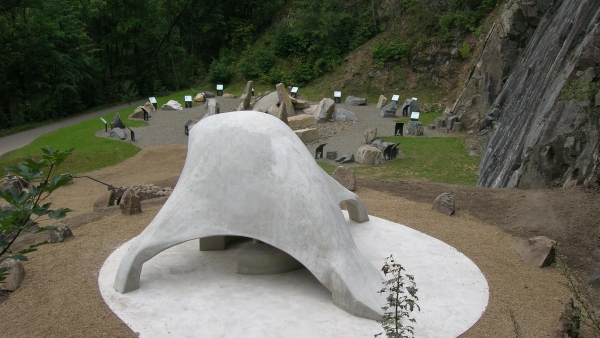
(266, 102)
(211, 107)
(444, 204)
(346, 177)
(369, 156)
(342, 114)
(382, 102)
(324, 111)
(349, 158)
(248, 95)
(369, 136)
(389, 110)
(199, 97)
(118, 134)
(172, 105)
(415, 128)
(537, 251)
(15, 277)
(260, 208)
(60, 233)
(130, 203)
(299, 104)
(355, 101)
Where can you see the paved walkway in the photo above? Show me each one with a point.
(16, 141)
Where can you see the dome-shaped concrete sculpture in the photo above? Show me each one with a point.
(248, 174)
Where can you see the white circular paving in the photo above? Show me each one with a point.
(185, 292)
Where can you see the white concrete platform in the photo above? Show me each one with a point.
(185, 292)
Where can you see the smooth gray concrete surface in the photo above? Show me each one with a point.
(16, 141)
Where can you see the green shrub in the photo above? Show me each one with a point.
(465, 51)
(285, 42)
(302, 73)
(385, 52)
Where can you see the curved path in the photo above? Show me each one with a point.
(16, 141)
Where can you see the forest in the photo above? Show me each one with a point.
(61, 57)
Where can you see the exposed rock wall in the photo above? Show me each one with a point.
(534, 107)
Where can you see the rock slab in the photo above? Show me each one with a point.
(302, 121)
(342, 114)
(355, 101)
(537, 251)
(368, 155)
(130, 203)
(389, 110)
(307, 135)
(369, 136)
(324, 111)
(172, 105)
(382, 102)
(16, 274)
(444, 204)
(346, 177)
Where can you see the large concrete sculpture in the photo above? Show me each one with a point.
(247, 174)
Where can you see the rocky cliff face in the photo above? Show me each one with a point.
(533, 96)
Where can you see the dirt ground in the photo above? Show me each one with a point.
(60, 298)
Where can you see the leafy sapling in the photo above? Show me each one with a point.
(401, 296)
(26, 206)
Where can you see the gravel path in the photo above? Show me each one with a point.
(167, 127)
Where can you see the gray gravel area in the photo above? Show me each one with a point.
(167, 127)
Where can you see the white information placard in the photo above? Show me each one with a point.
(414, 115)
(395, 97)
(414, 98)
(337, 94)
(294, 89)
(103, 120)
(152, 99)
(188, 98)
(219, 87)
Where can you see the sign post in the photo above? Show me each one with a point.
(294, 92)
(105, 125)
(188, 101)
(414, 116)
(153, 101)
(337, 96)
(395, 97)
(219, 90)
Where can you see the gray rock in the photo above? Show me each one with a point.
(172, 105)
(307, 135)
(130, 203)
(415, 128)
(346, 177)
(284, 99)
(266, 102)
(382, 102)
(118, 134)
(299, 104)
(389, 110)
(369, 156)
(13, 181)
(247, 96)
(369, 136)
(349, 158)
(537, 251)
(444, 203)
(439, 122)
(324, 111)
(211, 107)
(15, 277)
(208, 94)
(302, 121)
(331, 155)
(414, 107)
(116, 122)
(60, 233)
(342, 114)
(355, 101)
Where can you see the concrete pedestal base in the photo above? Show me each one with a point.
(190, 293)
(263, 259)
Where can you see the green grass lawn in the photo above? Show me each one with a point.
(435, 159)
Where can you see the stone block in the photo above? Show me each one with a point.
(444, 204)
(369, 136)
(130, 203)
(382, 102)
(355, 101)
(537, 251)
(324, 111)
(302, 121)
(307, 135)
(346, 177)
(368, 155)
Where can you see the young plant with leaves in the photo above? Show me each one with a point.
(26, 206)
(401, 295)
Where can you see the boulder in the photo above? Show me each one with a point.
(207, 94)
(342, 114)
(107, 199)
(369, 136)
(118, 134)
(211, 107)
(13, 181)
(15, 276)
(324, 111)
(266, 102)
(382, 102)
(284, 99)
(444, 203)
(369, 156)
(247, 96)
(299, 104)
(389, 110)
(349, 158)
(281, 114)
(138, 113)
(415, 128)
(302, 121)
(130, 203)
(172, 105)
(307, 135)
(60, 233)
(229, 96)
(355, 101)
(346, 177)
(116, 122)
(199, 97)
(537, 251)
